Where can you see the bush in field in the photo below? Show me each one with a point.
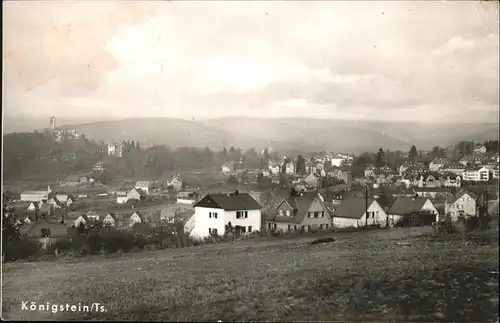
(94, 242)
(61, 245)
(113, 241)
(140, 242)
(21, 249)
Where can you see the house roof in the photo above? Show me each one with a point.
(229, 202)
(454, 197)
(301, 205)
(352, 207)
(140, 191)
(35, 192)
(57, 230)
(433, 189)
(112, 215)
(403, 205)
(439, 161)
(454, 166)
(142, 183)
(91, 213)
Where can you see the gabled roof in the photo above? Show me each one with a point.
(145, 183)
(138, 214)
(433, 189)
(229, 202)
(57, 230)
(300, 204)
(35, 192)
(352, 207)
(140, 191)
(112, 215)
(403, 205)
(453, 198)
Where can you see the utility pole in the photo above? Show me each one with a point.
(366, 205)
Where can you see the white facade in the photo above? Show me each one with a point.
(121, 200)
(32, 206)
(225, 169)
(209, 220)
(34, 196)
(185, 201)
(376, 215)
(109, 221)
(290, 168)
(134, 219)
(428, 206)
(143, 186)
(79, 221)
(465, 204)
(337, 161)
(477, 175)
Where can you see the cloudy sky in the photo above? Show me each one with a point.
(427, 61)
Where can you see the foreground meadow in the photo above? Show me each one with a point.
(383, 275)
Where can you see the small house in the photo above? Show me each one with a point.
(143, 185)
(110, 220)
(136, 218)
(403, 206)
(460, 204)
(357, 212)
(136, 194)
(175, 182)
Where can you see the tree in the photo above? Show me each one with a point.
(104, 177)
(259, 177)
(380, 161)
(266, 156)
(413, 154)
(301, 165)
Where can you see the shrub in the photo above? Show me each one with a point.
(140, 242)
(114, 241)
(61, 245)
(21, 249)
(94, 242)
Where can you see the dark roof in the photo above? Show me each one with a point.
(434, 189)
(403, 205)
(301, 205)
(352, 207)
(113, 215)
(57, 230)
(229, 202)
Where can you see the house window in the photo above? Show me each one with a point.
(287, 213)
(316, 214)
(321, 226)
(241, 214)
(308, 228)
(323, 214)
(281, 213)
(295, 228)
(250, 229)
(269, 226)
(243, 229)
(289, 227)
(326, 226)
(212, 231)
(212, 215)
(310, 214)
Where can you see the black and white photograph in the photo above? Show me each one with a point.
(250, 161)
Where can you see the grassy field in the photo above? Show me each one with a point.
(361, 276)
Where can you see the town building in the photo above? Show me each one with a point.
(357, 212)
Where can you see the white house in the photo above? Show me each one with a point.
(142, 185)
(188, 198)
(35, 196)
(458, 204)
(32, 207)
(135, 218)
(135, 194)
(407, 205)
(290, 168)
(352, 212)
(215, 211)
(110, 220)
(65, 199)
(480, 149)
(476, 174)
(227, 168)
(337, 161)
(175, 182)
(437, 163)
(121, 199)
(82, 219)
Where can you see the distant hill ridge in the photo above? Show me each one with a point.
(288, 133)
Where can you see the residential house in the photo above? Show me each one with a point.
(494, 172)
(476, 174)
(404, 167)
(450, 179)
(337, 160)
(142, 185)
(228, 168)
(432, 179)
(175, 182)
(110, 220)
(416, 170)
(455, 168)
(437, 163)
(290, 168)
(188, 198)
(266, 173)
(312, 181)
(460, 204)
(92, 215)
(44, 209)
(275, 169)
(215, 211)
(71, 180)
(479, 149)
(408, 205)
(98, 167)
(32, 207)
(489, 165)
(65, 199)
(341, 174)
(136, 218)
(136, 194)
(115, 149)
(84, 179)
(471, 160)
(369, 171)
(306, 211)
(433, 192)
(36, 196)
(410, 180)
(355, 212)
(124, 199)
(81, 220)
